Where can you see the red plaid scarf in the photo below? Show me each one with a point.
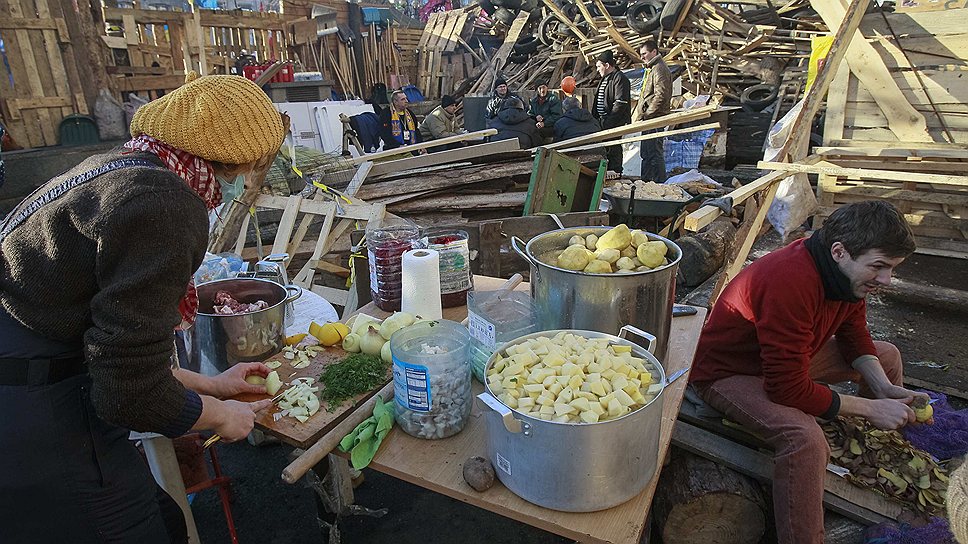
(198, 174)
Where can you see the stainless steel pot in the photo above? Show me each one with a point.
(569, 466)
(566, 299)
(220, 341)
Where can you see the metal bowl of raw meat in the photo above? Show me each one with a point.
(239, 320)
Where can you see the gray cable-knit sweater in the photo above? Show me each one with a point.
(105, 266)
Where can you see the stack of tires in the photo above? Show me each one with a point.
(649, 16)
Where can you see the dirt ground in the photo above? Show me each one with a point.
(270, 511)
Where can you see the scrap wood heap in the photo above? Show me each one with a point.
(715, 49)
(886, 462)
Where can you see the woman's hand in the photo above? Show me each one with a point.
(232, 382)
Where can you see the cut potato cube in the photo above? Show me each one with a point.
(525, 403)
(593, 377)
(556, 388)
(497, 388)
(564, 409)
(654, 389)
(615, 408)
(547, 409)
(593, 368)
(566, 395)
(598, 388)
(587, 395)
(512, 402)
(546, 417)
(513, 370)
(534, 388)
(510, 382)
(581, 404)
(638, 364)
(561, 419)
(549, 380)
(576, 381)
(639, 398)
(570, 369)
(607, 385)
(588, 416)
(597, 408)
(545, 400)
(646, 378)
(540, 349)
(563, 380)
(631, 389)
(623, 398)
(616, 349)
(618, 381)
(516, 393)
(553, 359)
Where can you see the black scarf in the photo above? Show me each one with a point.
(836, 285)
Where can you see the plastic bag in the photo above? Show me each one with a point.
(218, 267)
(794, 201)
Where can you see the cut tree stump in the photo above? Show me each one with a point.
(698, 501)
(705, 252)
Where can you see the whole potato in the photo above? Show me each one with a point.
(478, 473)
(608, 255)
(573, 258)
(598, 267)
(591, 241)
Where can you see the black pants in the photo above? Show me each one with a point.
(613, 153)
(653, 159)
(70, 477)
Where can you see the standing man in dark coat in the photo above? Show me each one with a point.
(612, 106)
(656, 96)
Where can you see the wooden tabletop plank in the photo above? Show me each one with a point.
(438, 464)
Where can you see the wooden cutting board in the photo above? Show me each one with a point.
(289, 429)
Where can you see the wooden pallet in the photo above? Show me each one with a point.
(43, 84)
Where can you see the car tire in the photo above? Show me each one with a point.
(758, 97)
(670, 13)
(526, 45)
(644, 16)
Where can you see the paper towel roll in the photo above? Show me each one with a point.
(421, 284)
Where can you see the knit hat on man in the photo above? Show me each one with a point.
(607, 58)
(227, 119)
(500, 81)
(447, 100)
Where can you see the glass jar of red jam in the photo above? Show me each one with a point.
(385, 248)
(455, 264)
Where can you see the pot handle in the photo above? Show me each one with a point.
(521, 248)
(629, 329)
(293, 289)
(510, 423)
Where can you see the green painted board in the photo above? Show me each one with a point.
(559, 186)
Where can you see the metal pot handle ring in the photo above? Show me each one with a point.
(293, 289)
(649, 338)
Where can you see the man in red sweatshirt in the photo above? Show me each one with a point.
(792, 321)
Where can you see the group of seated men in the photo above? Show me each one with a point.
(546, 118)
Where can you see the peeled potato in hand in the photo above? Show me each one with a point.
(618, 237)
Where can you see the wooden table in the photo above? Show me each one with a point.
(438, 464)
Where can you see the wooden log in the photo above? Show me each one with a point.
(698, 501)
(705, 252)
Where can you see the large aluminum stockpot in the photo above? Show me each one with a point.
(221, 341)
(566, 299)
(575, 467)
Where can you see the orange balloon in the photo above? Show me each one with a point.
(568, 84)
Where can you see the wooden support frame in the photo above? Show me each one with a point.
(403, 150)
(444, 157)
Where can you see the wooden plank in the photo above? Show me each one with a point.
(43, 23)
(825, 167)
(892, 194)
(860, 504)
(887, 152)
(41, 130)
(444, 157)
(437, 465)
(55, 61)
(423, 145)
(644, 137)
(286, 225)
(640, 126)
(141, 83)
(748, 233)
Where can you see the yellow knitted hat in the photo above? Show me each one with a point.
(228, 119)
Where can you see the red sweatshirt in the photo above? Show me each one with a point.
(771, 320)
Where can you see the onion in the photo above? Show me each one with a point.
(352, 343)
(385, 354)
(371, 342)
(394, 323)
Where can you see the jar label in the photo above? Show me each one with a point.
(455, 266)
(481, 330)
(372, 262)
(411, 386)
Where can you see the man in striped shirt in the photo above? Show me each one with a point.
(612, 106)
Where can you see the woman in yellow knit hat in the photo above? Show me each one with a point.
(97, 268)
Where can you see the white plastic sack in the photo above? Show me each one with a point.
(692, 175)
(795, 200)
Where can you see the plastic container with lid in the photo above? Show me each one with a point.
(456, 279)
(493, 318)
(385, 248)
(431, 378)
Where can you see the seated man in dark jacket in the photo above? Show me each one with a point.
(513, 122)
(575, 122)
(545, 110)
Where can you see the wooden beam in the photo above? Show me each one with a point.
(640, 126)
(444, 157)
(57, 23)
(747, 234)
(423, 145)
(899, 152)
(142, 83)
(642, 137)
(829, 169)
